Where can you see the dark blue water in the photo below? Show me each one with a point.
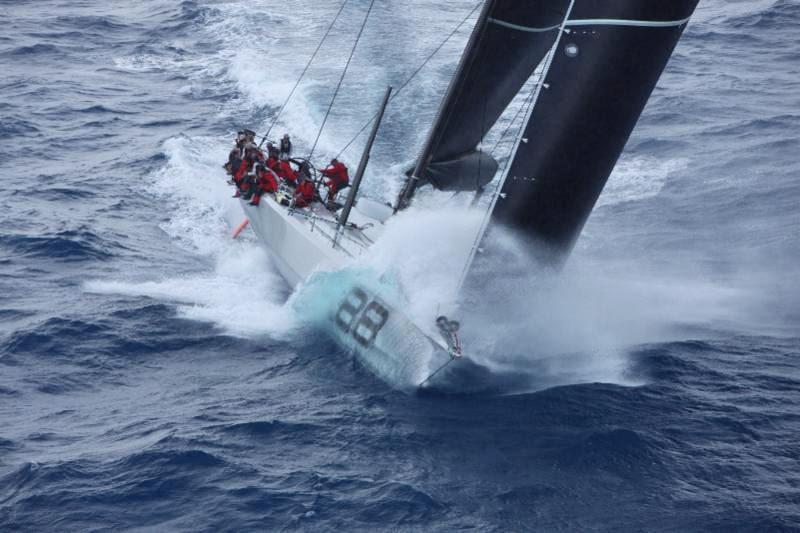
(153, 377)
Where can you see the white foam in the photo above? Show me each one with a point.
(426, 251)
(242, 294)
(261, 85)
(193, 186)
(241, 291)
(144, 63)
(581, 325)
(578, 326)
(638, 177)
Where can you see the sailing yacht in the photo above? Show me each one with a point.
(595, 64)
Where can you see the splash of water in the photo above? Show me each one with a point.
(576, 326)
(242, 293)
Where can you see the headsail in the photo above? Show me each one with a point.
(606, 65)
(508, 42)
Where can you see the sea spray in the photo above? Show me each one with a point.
(241, 293)
(364, 310)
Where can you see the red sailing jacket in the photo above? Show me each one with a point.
(239, 168)
(267, 182)
(337, 177)
(286, 172)
(304, 194)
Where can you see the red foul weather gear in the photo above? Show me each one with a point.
(304, 194)
(338, 177)
(267, 181)
(254, 154)
(239, 168)
(286, 172)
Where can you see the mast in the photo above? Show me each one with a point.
(362, 165)
(447, 102)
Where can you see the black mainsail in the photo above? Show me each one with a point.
(607, 62)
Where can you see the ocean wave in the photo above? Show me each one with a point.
(12, 127)
(103, 109)
(623, 451)
(40, 49)
(178, 19)
(15, 314)
(66, 246)
(397, 503)
(270, 428)
(783, 15)
(162, 460)
(62, 193)
(88, 23)
(58, 337)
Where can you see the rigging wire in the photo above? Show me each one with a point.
(524, 107)
(526, 104)
(302, 74)
(341, 79)
(414, 74)
(437, 371)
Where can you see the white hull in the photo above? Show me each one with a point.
(385, 340)
(297, 249)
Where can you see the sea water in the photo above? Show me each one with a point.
(156, 374)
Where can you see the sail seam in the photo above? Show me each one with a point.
(595, 22)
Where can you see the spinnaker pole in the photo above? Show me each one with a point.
(362, 165)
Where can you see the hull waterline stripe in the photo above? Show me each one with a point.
(596, 22)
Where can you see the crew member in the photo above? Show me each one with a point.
(239, 168)
(238, 150)
(251, 149)
(304, 194)
(237, 153)
(272, 162)
(286, 147)
(242, 170)
(273, 151)
(286, 172)
(305, 169)
(267, 183)
(338, 177)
